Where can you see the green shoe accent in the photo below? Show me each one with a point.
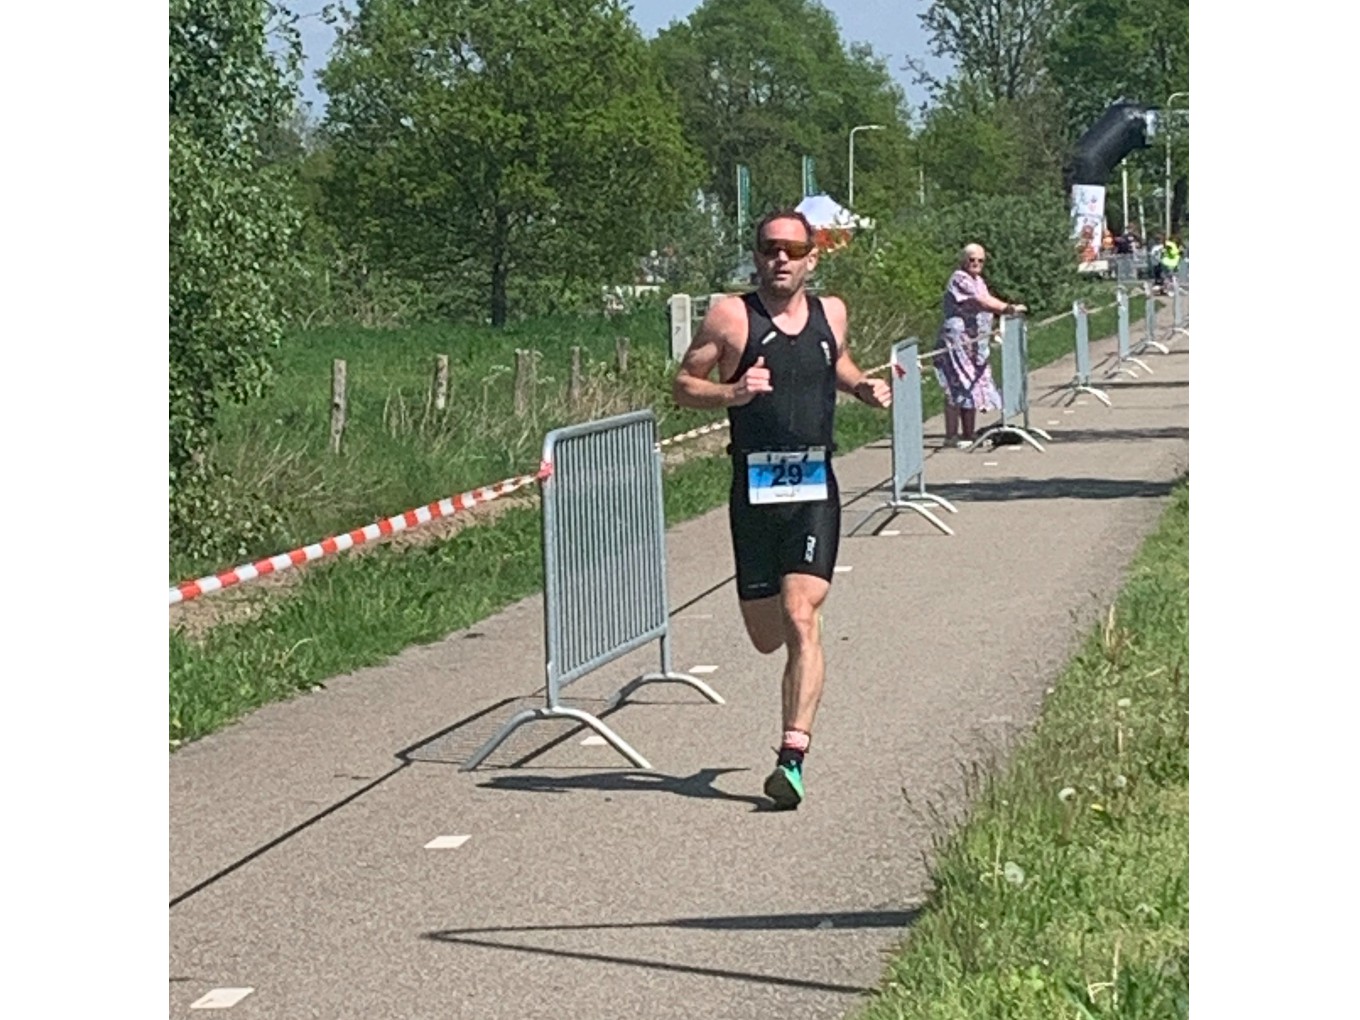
(785, 786)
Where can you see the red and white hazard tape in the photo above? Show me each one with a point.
(339, 543)
(702, 430)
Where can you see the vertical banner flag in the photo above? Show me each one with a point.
(1088, 219)
(809, 177)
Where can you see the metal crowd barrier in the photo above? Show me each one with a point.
(1150, 340)
(1126, 267)
(1081, 382)
(1180, 319)
(1126, 356)
(908, 442)
(1014, 386)
(604, 566)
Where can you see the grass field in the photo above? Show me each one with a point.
(353, 611)
(1066, 893)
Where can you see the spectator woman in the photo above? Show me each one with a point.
(963, 356)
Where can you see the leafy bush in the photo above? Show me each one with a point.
(905, 265)
(231, 228)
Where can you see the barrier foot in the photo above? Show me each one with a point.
(1081, 388)
(1122, 369)
(647, 678)
(532, 714)
(1154, 345)
(908, 504)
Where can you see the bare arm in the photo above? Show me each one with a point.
(997, 306)
(850, 378)
(692, 386)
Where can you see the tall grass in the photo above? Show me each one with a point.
(399, 451)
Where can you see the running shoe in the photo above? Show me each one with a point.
(785, 786)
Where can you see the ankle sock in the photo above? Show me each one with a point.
(793, 747)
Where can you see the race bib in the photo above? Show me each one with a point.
(793, 476)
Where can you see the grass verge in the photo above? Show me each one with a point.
(1066, 893)
(351, 612)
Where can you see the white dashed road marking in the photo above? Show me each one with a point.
(890, 534)
(594, 740)
(844, 570)
(703, 669)
(221, 998)
(446, 842)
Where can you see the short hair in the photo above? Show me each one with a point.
(787, 213)
(963, 252)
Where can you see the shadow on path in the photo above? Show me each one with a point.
(813, 923)
(699, 785)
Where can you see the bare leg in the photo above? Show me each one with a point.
(764, 619)
(951, 421)
(805, 669)
(969, 416)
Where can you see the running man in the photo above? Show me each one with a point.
(781, 355)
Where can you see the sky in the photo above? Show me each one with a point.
(892, 27)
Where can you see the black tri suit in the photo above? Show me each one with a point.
(785, 508)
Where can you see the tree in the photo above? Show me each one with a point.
(496, 140)
(998, 46)
(232, 223)
(972, 146)
(764, 82)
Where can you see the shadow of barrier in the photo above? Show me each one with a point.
(1014, 388)
(908, 443)
(604, 567)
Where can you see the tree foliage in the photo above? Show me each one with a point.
(763, 82)
(232, 223)
(999, 47)
(496, 141)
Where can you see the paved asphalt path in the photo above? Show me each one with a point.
(588, 889)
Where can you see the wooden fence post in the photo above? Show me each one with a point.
(621, 354)
(441, 381)
(338, 404)
(574, 388)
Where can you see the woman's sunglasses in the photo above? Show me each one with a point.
(795, 250)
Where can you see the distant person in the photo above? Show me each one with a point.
(781, 354)
(963, 362)
(1154, 258)
(1169, 262)
(1123, 244)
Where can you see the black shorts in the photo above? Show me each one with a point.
(769, 541)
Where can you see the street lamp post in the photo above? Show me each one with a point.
(1166, 196)
(858, 127)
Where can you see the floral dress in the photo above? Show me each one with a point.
(965, 369)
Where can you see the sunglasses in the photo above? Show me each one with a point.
(795, 250)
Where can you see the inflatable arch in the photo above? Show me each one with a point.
(1121, 129)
